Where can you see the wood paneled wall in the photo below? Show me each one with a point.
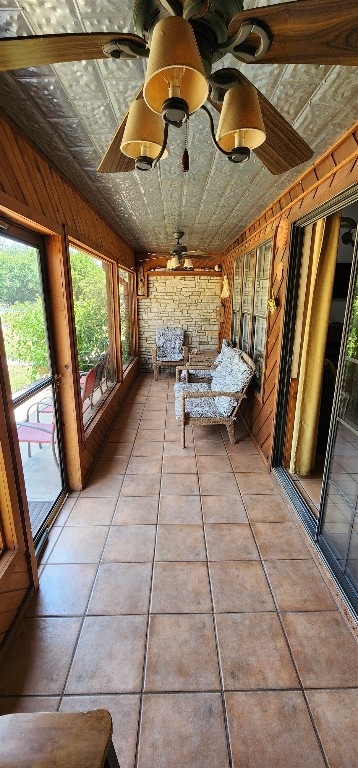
(334, 172)
(34, 192)
(36, 195)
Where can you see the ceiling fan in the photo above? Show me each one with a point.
(179, 255)
(198, 33)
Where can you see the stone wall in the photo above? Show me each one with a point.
(188, 301)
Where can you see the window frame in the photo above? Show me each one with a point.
(247, 304)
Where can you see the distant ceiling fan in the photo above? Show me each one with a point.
(179, 255)
(182, 39)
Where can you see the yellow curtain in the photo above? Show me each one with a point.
(320, 274)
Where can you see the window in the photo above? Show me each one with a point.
(125, 280)
(92, 292)
(251, 302)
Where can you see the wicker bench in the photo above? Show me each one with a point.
(217, 402)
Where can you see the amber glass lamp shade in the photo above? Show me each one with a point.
(241, 123)
(175, 68)
(144, 132)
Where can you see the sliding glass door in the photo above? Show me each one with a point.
(27, 340)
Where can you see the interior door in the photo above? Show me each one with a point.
(26, 329)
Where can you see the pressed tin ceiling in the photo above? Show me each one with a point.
(72, 110)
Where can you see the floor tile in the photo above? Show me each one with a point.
(180, 484)
(92, 511)
(144, 465)
(180, 509)
(136, 510)
(226, 541)
(240, 587)
(298, 586)
(315, 640)
(271, 729)
(180, 542)
(150, 434)
(64, 590)
(181, 588)
(109, 655)
(223, 509)
(242, 446)
(79, 544)
(211, 484)
(40, 656)
(130, 543)
(149, 448)
(210, 448)
(179, 464)
(280, 541)
(176, 661)
(124, 710)
(246, 462)
(175, 449)
(254, 653)
(266, 508)
(215, 464)
(115, 465)
(256, 482)
(140, 485)
(109, 485)
(11, 704)
(335, 716)
(153, 423)
(183, 731)
(121, 588)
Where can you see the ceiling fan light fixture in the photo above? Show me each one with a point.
(175, 69)
(175, 262)
(241, 126)
(143, 135)
(188, 264)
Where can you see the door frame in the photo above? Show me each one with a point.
(36, 240)
(311, 524)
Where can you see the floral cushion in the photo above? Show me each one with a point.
(230, 376)
(180, 387)
(201, 406)
(169, 343)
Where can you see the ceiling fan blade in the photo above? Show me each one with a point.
(114, 161)
(18, 52)
(307, 31)
(283, 148)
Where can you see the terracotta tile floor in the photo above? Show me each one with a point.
(178, 591)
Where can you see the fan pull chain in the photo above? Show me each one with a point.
(185, 156)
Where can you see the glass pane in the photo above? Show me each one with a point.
(25, 338)
(125, 297)
(236, 301)
(259, 346)
(22, 314)
(248, 282)
(92, 308)
(262, 279)
(246, 340)
(339, 527)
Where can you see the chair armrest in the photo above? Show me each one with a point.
(185, 353)
(210, 393)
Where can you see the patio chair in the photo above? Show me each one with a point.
(169, 350)
(218, 402)
(35, 432)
